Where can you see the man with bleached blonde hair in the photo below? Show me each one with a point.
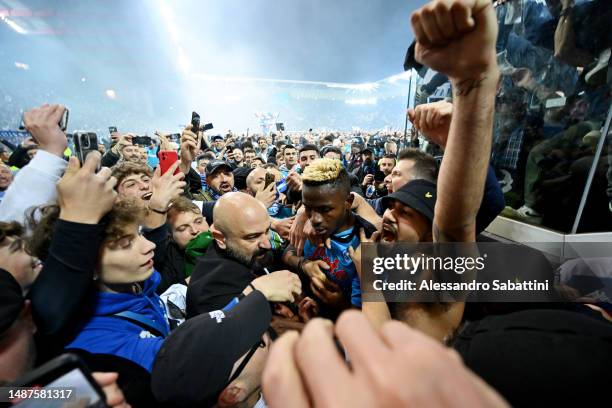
(327, 200)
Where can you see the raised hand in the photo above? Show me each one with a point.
(43, 125)
(314, 269)
(124, 140)
(294, 181)
(267, 195)
(456, 37)
(84, 196)
(283, 227)
(166, 187)
(279, 286)
(394, 367)
(297, 238)
(190, 144)
(433, 120)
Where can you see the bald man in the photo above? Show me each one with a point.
(240, 252)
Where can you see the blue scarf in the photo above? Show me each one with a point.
(215, 196)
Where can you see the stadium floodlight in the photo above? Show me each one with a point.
(368, 86)
(402, 76)
(16, 27)
(363, 101)
(165, 10)
(22, 65)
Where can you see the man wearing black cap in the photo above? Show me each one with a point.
(367, 166)
(410, 213)
(218, 144)
(219, 181)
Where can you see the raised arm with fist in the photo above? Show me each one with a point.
(456, 38)
(43, 125)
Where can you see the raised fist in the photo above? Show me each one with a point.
(456, 37)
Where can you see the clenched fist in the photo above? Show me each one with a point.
(456, 37)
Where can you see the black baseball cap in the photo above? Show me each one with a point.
(216, 137)
(196, 361)
(419, 195)
(215, 165)
(240, 176)
(367, 149)
(11, 300)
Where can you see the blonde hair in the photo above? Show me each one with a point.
(322, 170)
(329, 172)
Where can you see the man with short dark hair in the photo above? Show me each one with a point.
(290, 159)
(249, 155)
(307, 154)
(262, 148)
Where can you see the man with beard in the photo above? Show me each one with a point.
(219, 181)
(239, 253)
(368, 166)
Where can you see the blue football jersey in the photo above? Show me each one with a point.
(341, 268)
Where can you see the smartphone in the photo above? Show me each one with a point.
(63, 123)
(195, 122)
(175, 137)
(207, 126)
(112, 129)
(66, 378)
(166, 159)
(269, 179)
(141, 140)
(379, 176)
(84, 143)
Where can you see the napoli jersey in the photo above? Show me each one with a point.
(341, 268)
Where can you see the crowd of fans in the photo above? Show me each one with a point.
(233, 278)
(554, 96)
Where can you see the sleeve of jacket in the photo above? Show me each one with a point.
(62, 286)
(44, 171)
(109, 159)
(493, 202)
(194, 182)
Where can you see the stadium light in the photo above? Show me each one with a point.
(365, 101)
(22, 65)
(16, 27)
(165, 10)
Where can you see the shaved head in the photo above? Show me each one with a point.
(241, 228)
(233, 212)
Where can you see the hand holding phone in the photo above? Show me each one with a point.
(195, 122)
(166, 159)
(46, 124)
(84, 144)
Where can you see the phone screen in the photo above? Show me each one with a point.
(83, 394)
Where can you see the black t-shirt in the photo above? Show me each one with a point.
(541, 357)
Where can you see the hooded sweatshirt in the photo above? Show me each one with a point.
(105, 333)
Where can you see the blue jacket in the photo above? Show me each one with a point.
(105, 334)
